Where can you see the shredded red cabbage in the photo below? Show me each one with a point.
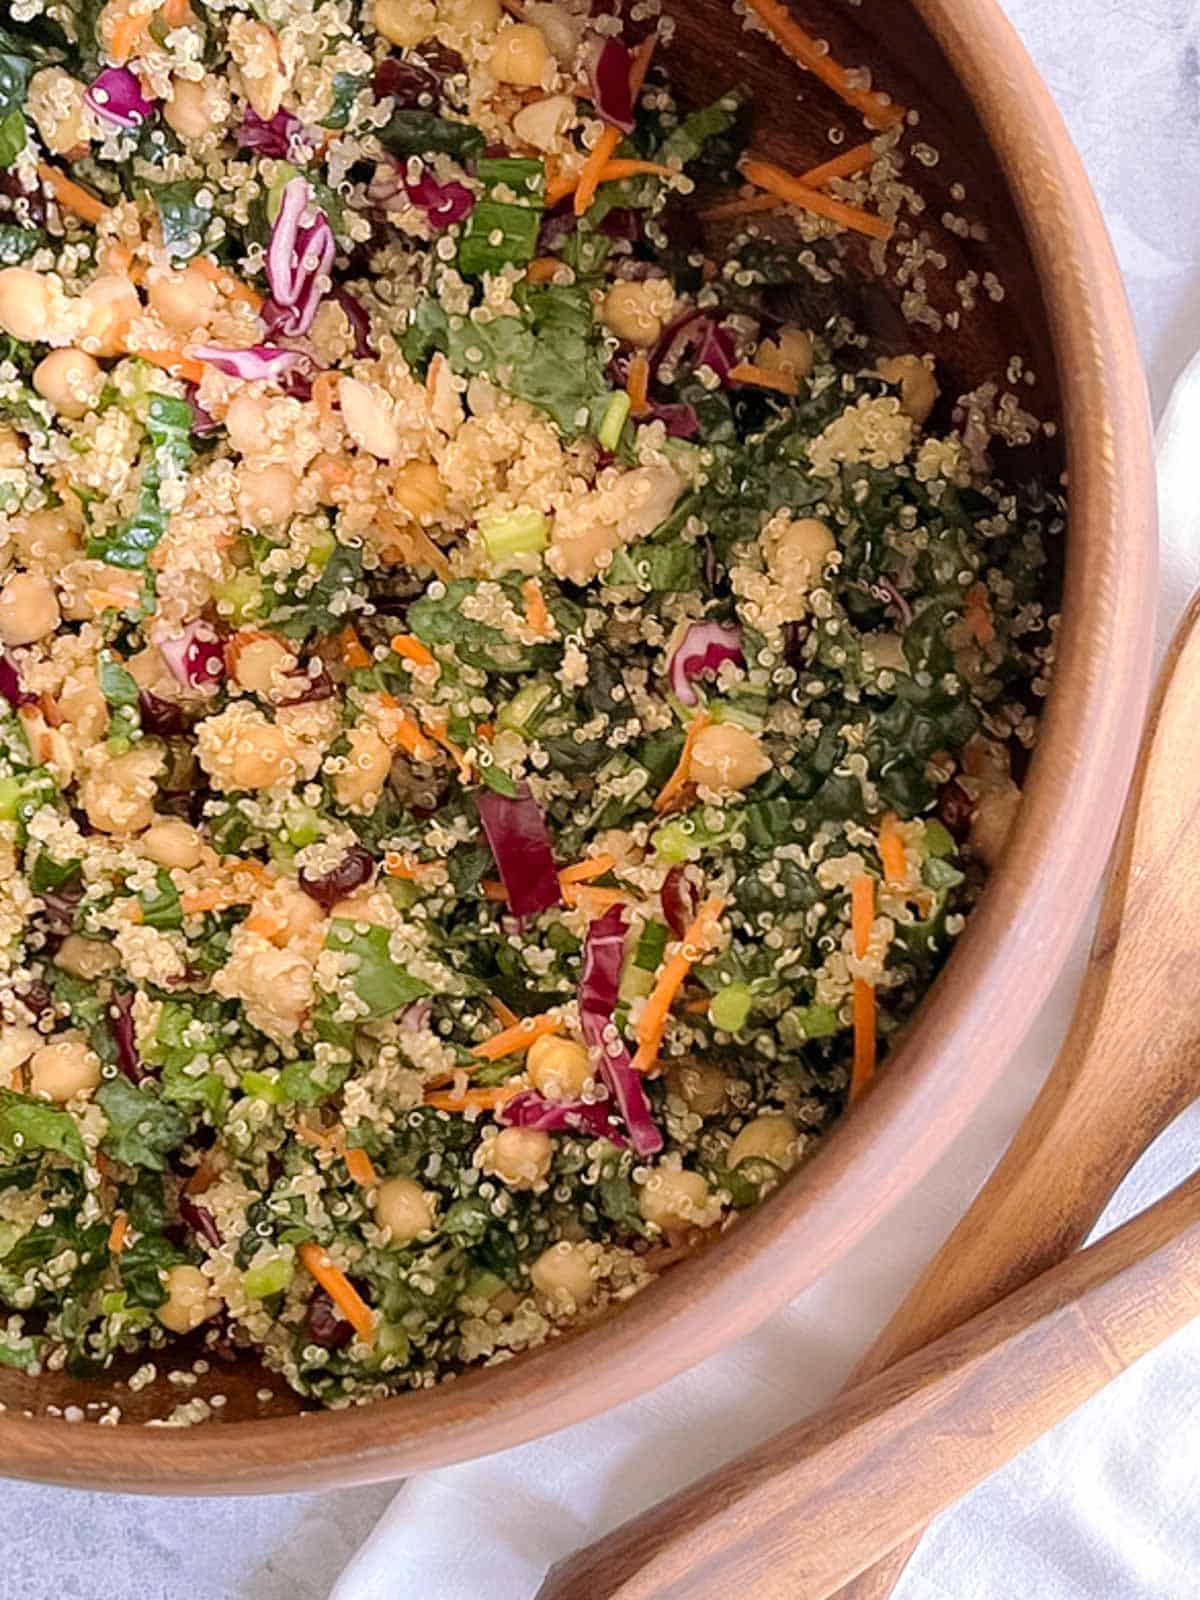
(196, 657)
(603, 958)
(202, 422)
(698, 340)
(360, 322)
(443, 203)
(60, 905)
(299, 259)
(256, 361)
(703, 648)
(161, 717)
(116, 96)
(531, 1110)
(120, 1025)
(354, 869)
(309, 687)
(327, 1329)
(612, 93)
(680, 900)
(274, 137)
(10, 683)
(516, 832)
(200, 1220)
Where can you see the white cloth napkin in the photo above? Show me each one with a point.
(1105, 1506)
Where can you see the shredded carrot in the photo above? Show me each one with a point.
(621, 167)
(411, 649)
(339, 1289)
(504, 1015)
(537, 616)
(124, 35)
(515, 1040)
(542, 268)
(637, 385)
(232, 288)
(764, 175)
(862, 912)
(891, 850)
(267, 924)
(865, 1041)
(847, 165)
(398, 865)
(70, 196)
(595, 901)
(673, 787)
(175, 13)
(978, 614)
(670, 979)
(353, 654)
(174, 362)
(485, 731)
(412, 741)
(810, 53)
(559, 186)
(605, 147)
(473, 1099)
(493, 889)
(117, 1233)
(317, 1138)
(358, 1165)
(438, 733)
(585, 871)
(764, 378)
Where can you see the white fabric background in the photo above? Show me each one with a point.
(1106, 1508)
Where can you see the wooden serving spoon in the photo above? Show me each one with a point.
(1130, 1065)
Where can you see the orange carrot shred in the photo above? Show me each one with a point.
(671, 790)
(559, 185)
(174, 362)
(537, 615)
(805, 50)
(891, 850)
(339, 1289)
(764, 175)
(542, 268)
(595, 900)
(515, 1040)
(124, 35)
(978, 614)
(70, 196)
(606, 146)
(847, 165)
(583, 871)
(862, 912)
(473, 1099)
(670, 978)
(413, 742)
(232, 288)
(410, 648)
(504, 1015)
(117, 1233)
(353, 654)
(360, 1168)
(175, 13)
(637, 385)
(865, 1037)
(764, 378)
(622, 167)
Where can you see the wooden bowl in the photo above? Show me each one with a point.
(983, 106)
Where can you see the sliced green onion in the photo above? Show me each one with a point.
(271, 1278)
(523, 707)
(614, 420)
(939, 842)
(732, 1006)
(519, 532)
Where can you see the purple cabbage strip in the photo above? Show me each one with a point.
(120, 1025)
(703, 648)
(310, 687)
(274, 137)
(443, 203)
(516, 832)
(61, 904)
(196, 657)
(531, 1110)
(10, 683)
(360, 322)
(680, 420)
(116, 96)
(700, 340)
(200, 1220)
(354, 869)
(300, 254)
(612, 93)
(256, 361)
(603, 958)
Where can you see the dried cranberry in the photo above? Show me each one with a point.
(955, 808)
(352, 871)
(200, 1220)
(120, 1025)
(407, 83)
(328, 1330)
(160, 717)
(35, 997)
(680, 900)
(308, 687)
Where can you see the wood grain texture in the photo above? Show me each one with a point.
(983, 106)
(1127, 1069)
(799, 1515)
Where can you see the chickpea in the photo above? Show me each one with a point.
(190, 1300)
(992, 821)
(295, 913)
(66, 1067)
(261, 757)
(628, 312)
(56, 104)
(17, 1044)
(918, 386)
(368, 762)
(49, 535)
(474, 16)
(558, 1068)
(562, 1275)
(259, 660)
(419, 490)
(118, 797)
(28, 608)
(674, 1200)
(543, 123)
(806, 544)
(71, 380)
(86, 958)
(266, 495)
(771, 1137)
(24, 304)
(407, 23)
(246, 423)
(255, 50)
(403, 1208)
(367, 413)
(520, 56)
(371, 905)
(790, 353)
(109, 304)
(727, 757)
(172, 842)
(184, 300)
(520, 1157)
(196, 110)
(701, 1086)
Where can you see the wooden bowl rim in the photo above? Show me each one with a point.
(972, 1021)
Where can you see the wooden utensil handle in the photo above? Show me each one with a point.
(1125, 1072)
(795, 1518)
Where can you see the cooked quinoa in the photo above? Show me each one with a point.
(508, 697)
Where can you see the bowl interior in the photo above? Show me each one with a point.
(978, 278)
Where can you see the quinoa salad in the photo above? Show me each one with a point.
(508, 697)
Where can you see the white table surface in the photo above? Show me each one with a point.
(1126, 74)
